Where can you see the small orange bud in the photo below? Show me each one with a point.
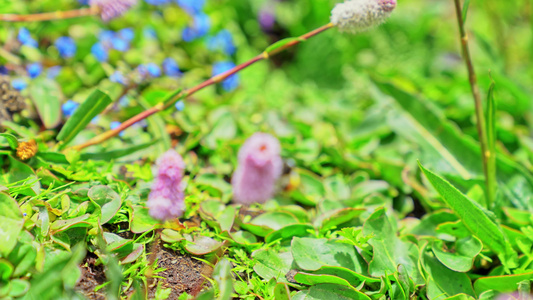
(27, 150)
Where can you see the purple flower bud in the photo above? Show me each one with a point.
(110, 9)
(260, 166)
(166, 201)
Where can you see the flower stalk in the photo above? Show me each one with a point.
(50, 16)
(480, 117)
(187, 93)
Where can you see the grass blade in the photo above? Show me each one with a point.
(89, 109)
(490, 117)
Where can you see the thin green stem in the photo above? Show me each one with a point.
(187, 93)
(480, 117)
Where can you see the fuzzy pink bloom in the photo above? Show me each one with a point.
(110, 9)
(166, 201)
(513, 296)
(260, 166)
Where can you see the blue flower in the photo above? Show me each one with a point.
(53, 72)
(157, 2)
(4, 70)
(69, 108)
(199, 28)
(84, 2)
(191, 6)
(127, 34)
(223, 41)
(232, 82)
(25, 38)
(180, 105)
(19, 84)
(34, 70)
(171, 67)
(100, 52)
(114, 125)
(66, 46)
(153, 69)
(120, 44)
(119, 78)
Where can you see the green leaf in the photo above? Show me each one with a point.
(502, 284)
(314, 279)
(352, 277)
(282, 292)
(330, 291)
(445, 148)
(107, 200)
(46, 96)
(270, 264)
(222, 274)
(289, 231)
(443, 281)
(466, 5)
(110, 155)
(490, 117)
(202, 245)
(277, 45)
(11, 140)
(334, 218)
(311, 254)
(12, 222)
(462, 257)
(389, 250)
(90, 108)
(474, 218)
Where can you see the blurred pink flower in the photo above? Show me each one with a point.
(260, 166)
(513, 296)
(110, 9)
(166, 200)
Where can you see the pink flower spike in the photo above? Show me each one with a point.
(260, 166)
(110, 9)
(166, 200)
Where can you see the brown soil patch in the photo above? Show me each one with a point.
(91, 277)
(181, 274)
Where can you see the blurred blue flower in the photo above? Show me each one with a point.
(120, 44)
(157, 2)
(222, 41)
(114, 125)
(34, 70)
(191, 6)
(69, 107)
(127, 34)
(199, 28)
(25, 38)
(106, 36)
(4, 70)
(118, 77)
(171, 67)
(19, 84)
(66, 46)
(153, 69)
(124, 101)
(53, 72)
(84, 2)
(100, 52)
(180, 105)
(230, 83)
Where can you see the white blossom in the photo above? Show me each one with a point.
(359, 15)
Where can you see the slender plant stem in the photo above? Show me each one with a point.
(57, 15)
(187, 93)
(481, 130)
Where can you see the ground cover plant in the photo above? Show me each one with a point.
(266, 149)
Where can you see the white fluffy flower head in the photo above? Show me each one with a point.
(359, 15)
